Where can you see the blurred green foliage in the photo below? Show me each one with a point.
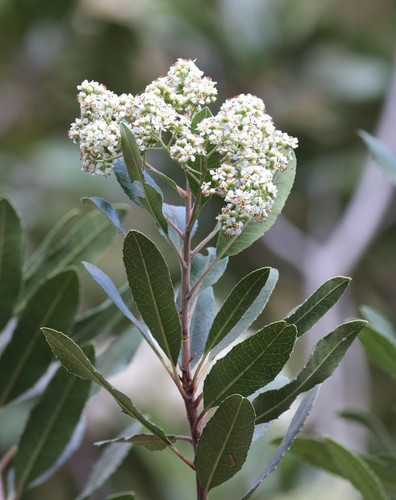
(322, 69)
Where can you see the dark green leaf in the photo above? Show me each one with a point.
(315, 452)
(108, 210)
(294, 429)
(225, 442)
(50, 427)
(75, 361)
(198, 117)
(11, 255)
(132, 155)
(317, 305)
(251, 364)
(202, 262)
(357, 471)
(375, 425)
(108, 462)
(380, 348)
(324, 359)
(27, 357)
(85, 241)
(252, 231)
(379, 322)
(385, 158)
(201, 322)
(152, 291)
(243, 305)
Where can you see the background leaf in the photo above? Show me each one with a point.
(380, 349)
(225, 442)
(293, 430)
(201, 322)
(125, 495)
(324, 359)
(242, 306)
(27, 357)
(59, 409)
(152, 291)
(385, 158)
(317, 305)
(200, 264)
(357, 471)
(251, 364)
(252, 231)
(11, 255)
(107, 209)
(108, 462)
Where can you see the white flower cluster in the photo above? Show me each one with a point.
(166, 105)
(251, 151)
(242, 135)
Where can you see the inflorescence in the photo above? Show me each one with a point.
(249, 147)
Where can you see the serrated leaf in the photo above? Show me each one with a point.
(242, 306)
(317, 305)
(149, 441)
(152, 291)
(252, 231)
(324, 359)
(107, 209)
(111, 291)
(293, 430)
(251, 364)
(201, 322)
(75, 361)
(27, 357)
(315, 452)
(85, 241)
(41, 446)
(225, 442)
(201, 263)
(357, 471)
(380, 348)
(108, 462)
(374, 424)
(385, 158)
(11, 255)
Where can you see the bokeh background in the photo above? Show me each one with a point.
(324, 69)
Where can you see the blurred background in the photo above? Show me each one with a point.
(324, 69)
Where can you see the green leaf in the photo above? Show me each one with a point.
(252, 231)
(324, 359)
(251, 364)
(50, 428)
(198, 117)
(107, 209)
(11, 255)
(379, 322)
(149, 441)
(385, 158)
(45, 247)
(225, 442)
(152, 291)
(201, 263)
(75, 361)
(315, 452)
(27, 357)
(375, 425)
(294, 429)
(108, 462)
(85, 241)
(144, 193)
(380, 348)
(317, 305)
(201, 322)
(177, 215)
(124, 495)
(243, 305)
(357, 471)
